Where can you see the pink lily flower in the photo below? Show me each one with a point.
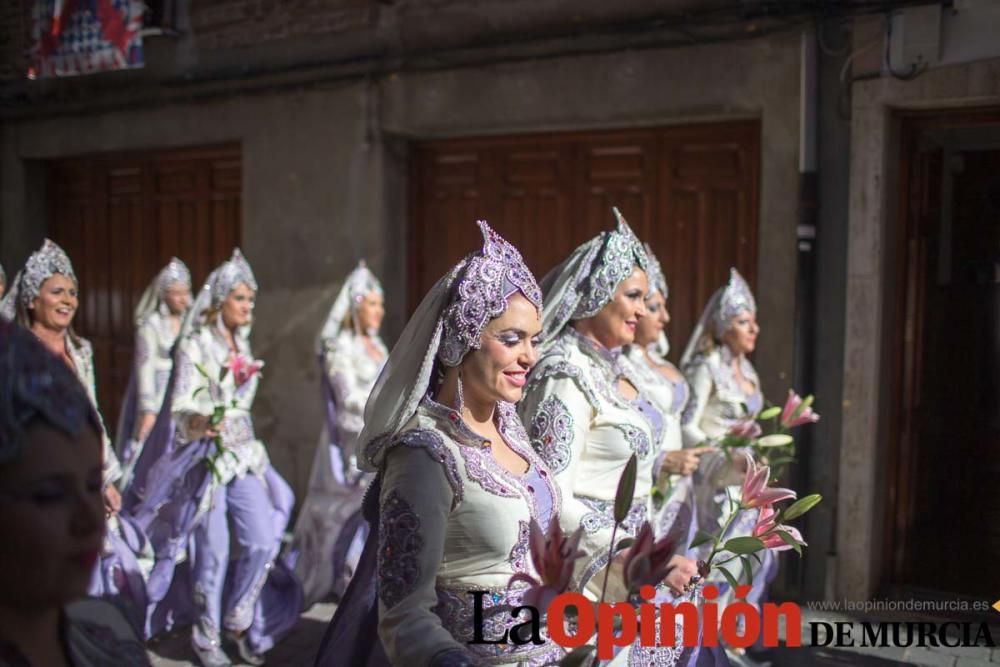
(745, 428)
(243, 369)
(766, 527)
(553, 555)
(755, 490)
(795, 414)
(647, 560)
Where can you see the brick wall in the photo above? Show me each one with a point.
(223, 24)
(15, 24)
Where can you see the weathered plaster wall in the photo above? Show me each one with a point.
(309, 181)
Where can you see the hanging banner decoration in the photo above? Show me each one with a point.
(72, 37)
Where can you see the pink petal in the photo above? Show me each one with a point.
(769, 497)
(791, 405)
(794, 532)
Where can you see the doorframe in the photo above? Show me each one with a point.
(903, 334)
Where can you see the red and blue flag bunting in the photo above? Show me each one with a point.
(71, 37)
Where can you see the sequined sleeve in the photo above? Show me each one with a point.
(188, 401)
(340, 365)
(715, 469)
(699, 378)
(558, 416)
(145, 371)
(416, 501)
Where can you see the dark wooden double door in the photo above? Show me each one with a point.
(690, 191)
(121, 218)
(943, 333)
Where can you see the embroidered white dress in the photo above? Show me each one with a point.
(583, 427)
(717, 403)
(675, 515)
(82, 354)
(206, 347)
(154, 340)
(586, 431)
(453, 520)
(329, 531)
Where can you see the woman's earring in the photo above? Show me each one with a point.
(461, 398)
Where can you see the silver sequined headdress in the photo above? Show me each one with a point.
(446, 326)
(35, 384)
(728, 301)
(217, 287)
(44, 263)
(174, 273)
(359, 283)
(233, 272)
(480, 293)
(657, 282)
(586, 281)
(735, 298)
(654, 272)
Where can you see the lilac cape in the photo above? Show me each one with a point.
(352, 636)
(126, 420)
(166, 489)
(355, 525)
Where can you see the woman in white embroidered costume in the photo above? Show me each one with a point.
(193, 491)
(725, 391)
(458, 483)
(158, 319)
(586, 417)
(330, 531)
(644, 361)
(52, 517)
(44, 300)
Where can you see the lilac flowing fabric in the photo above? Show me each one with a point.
(163, 497)
(126, 421)
(352, 637)
(117, 577)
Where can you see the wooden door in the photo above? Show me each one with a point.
(943, 459)
(120, 218)
(690, 191)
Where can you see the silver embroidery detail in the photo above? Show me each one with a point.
(602, 515)
(399, 546)
(552, 433)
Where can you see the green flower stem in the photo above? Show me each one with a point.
(725, 529)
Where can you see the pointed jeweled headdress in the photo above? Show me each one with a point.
(233, 272)
(736, 297)
(621, 253)
(586, 280)
(44, 263)
(360, 282)
(35, 384)
(47, 261)
(445, 327)
(654, 273)
(174, 273)
(480, 293)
